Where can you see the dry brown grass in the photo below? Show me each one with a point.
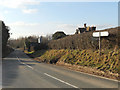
(87, 61)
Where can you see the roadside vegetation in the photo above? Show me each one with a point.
(86, 41)
(80, 52)
(5, 36)
(108, 62)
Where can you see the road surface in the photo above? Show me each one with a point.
(19, 71)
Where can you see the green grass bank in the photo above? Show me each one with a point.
(107, 63)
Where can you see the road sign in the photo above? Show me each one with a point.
(40, 39)
(101, 34)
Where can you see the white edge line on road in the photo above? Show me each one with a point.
(92, 75)
(60, 80)
(24, 63)
(98, 76)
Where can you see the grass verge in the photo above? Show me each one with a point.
(87, 61)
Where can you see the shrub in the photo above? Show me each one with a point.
(86, 41)
(5, 36)
(58, 35)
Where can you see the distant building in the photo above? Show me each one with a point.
(85, 29)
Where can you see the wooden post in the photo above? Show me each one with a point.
(99, 43)
(99, 35)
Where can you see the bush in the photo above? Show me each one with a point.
(40, 46)
(5, 36)
(86, 41)
(58, 35)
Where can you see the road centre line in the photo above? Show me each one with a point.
(24, 63)
(61, 80)
(49, 75)
(29, 66)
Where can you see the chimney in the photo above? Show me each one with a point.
(85, 25)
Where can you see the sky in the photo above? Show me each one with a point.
(35, 17)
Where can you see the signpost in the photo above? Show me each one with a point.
(100, 34)
(97, 34)
(40, 39)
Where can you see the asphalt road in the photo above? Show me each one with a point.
(19, 71)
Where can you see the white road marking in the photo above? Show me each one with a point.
(80, 73)
(24, 63)
(97, 76)
(29, 66)
(61, 80)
